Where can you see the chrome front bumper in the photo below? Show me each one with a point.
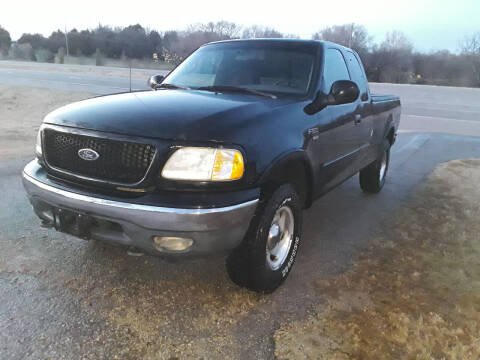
(212, 230)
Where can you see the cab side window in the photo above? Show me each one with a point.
(357, 74)
(335, 68)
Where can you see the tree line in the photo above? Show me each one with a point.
(391, 60)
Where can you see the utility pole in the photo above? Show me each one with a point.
(352, 33)
(130, 67)
(66, 39)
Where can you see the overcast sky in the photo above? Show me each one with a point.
(429, 24)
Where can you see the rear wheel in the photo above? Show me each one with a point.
(264, 259)
(372, 178)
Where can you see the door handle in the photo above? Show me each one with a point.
(358, 118)
(313, 133)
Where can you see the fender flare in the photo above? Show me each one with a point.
(297, 156)
(390, 132)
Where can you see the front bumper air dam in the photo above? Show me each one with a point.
(212, 230)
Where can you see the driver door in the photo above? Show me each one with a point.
(338, 139)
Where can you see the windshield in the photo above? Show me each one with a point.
(273, 68)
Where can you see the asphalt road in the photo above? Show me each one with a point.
(74, 77)
(94, 84)
(447, 110)
(66, 298)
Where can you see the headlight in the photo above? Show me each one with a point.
(38, 145)
(204, 164)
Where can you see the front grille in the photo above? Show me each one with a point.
(119, 161)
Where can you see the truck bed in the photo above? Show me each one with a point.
(381, 98)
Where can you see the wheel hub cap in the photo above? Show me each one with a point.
(383, 166)
(280, 237)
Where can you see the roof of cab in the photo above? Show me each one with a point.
(280, 40)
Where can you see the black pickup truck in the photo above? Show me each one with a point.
(222, 156)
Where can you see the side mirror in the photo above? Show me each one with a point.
(343, 92)
(155, 81)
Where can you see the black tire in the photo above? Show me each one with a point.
(372, 178)
(248, 265)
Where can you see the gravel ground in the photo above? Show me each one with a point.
(64, 298)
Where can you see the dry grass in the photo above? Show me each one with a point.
(21, 113)
(415, 294)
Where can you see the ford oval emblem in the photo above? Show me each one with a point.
(88, 154)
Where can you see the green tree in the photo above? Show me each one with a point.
(133, 40)
(5, 41)
(154, 42)
(81, 42)
(55, 41)
(107, 41)
(37, 41)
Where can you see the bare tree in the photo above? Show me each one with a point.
(351, 35)
(471, 44)
(257, 31)
(183, 43)
(222, 30)
(225, 29)
(442, 68)
(396, 41)
(471, 50)
(392, 60)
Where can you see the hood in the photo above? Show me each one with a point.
(166, 114)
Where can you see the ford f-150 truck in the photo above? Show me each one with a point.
(222, 156)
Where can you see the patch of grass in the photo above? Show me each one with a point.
(415, 294)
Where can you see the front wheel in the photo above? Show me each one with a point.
(264, 259)
(372, 178)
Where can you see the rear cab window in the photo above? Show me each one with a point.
(357, 73)
(334, 69)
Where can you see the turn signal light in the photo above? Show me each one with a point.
(228, 165)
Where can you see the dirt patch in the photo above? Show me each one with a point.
(415, 293)
(21, 114)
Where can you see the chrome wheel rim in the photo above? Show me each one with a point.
(383, 166)
(280, 237)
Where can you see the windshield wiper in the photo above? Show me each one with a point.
(171, 86)
(227, 88)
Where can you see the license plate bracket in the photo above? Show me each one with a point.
(72, 222)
